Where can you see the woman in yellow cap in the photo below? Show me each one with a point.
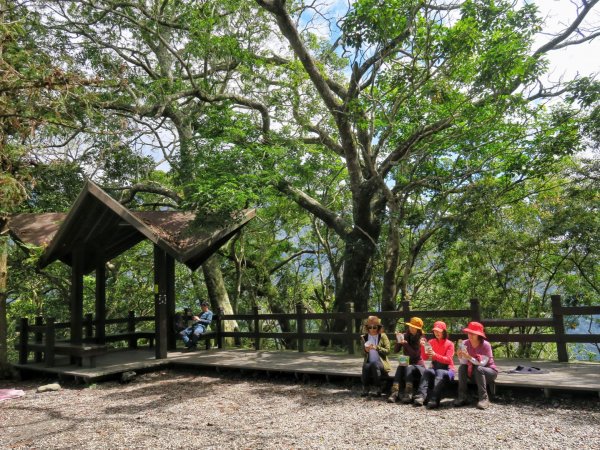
(376, 348)
(409, 374)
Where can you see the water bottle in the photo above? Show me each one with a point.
(462, 347)
(399, 337)
(427, 346)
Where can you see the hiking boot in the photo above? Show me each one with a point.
(460, 401)
(433, 404)
(407, 396)
(394, 395)
(376, 394)
(365, 391)
(418, 400)
(483, 404)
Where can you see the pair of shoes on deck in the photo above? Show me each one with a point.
(191, 348)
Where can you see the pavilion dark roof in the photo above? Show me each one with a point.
(105, 229)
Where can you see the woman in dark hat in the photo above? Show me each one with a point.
(479, 368)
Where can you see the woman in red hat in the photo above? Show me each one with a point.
(479, 368)
(441, 352)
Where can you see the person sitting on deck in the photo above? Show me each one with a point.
(376, 348)
(441, 352)
(477, 364)
(191, 334)
(410, 369)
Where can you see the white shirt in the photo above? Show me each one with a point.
(373, 354)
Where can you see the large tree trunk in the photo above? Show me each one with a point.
(4, 366)
(356, 282)
(390, 289)
(218, 294)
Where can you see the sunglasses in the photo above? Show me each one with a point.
(373, 327)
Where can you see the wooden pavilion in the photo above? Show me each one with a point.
(98, 228)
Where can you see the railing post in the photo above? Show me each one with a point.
(559, 329)
(219, 327)
(256, 311)
(23, 338)
(350, 327)
(38, 337)
(50, 339)
(406, 310)
(475, 310)
(131, 329)
(88, 324)
(300, 325)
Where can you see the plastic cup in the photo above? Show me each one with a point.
(403, 360)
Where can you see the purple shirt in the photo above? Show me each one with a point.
(484, 349)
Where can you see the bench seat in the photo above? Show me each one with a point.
(82, 351)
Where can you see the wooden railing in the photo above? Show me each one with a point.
(41, 338)
(350, 332)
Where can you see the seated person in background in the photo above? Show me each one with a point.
(477, 365)
(441, 352)
(376, 347)
(408, 374)
(192, 333)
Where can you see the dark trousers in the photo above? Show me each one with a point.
(408, 374)
(481, 376)
(433, 384)
(371, 374)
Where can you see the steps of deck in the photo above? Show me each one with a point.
(574, 376)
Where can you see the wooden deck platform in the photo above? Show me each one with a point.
(576, 376)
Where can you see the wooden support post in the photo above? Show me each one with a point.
(131, 329)
(160, 302)
(300, 325)
(37, 338)
(50, 339)
(350, 327)
(256, 311)
(88, 325)
(77, 296)
(559, 329)
(219, 327)
(475, 310)
(170, 291)
(23, 339)
(100, 302)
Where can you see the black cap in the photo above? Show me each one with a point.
(204, 303)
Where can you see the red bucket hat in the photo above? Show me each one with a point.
(475, 328)
(439, 326)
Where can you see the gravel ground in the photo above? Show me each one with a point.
(169, 410)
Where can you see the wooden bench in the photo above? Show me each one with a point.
(84, 352)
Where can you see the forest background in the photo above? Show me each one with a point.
(395, 150)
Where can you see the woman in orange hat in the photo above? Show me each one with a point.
(441, 352)
(376, 348)
(479, 368)
(408, 374)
